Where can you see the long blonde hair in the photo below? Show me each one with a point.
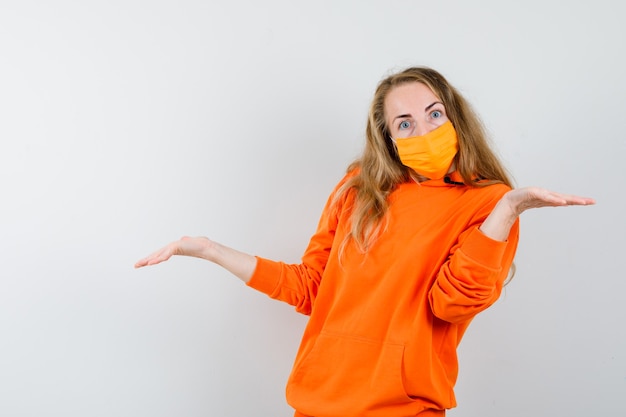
(379, 170)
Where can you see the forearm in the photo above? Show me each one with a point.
(472, 278)
(240, 264)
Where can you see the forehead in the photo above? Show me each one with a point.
(404, 97)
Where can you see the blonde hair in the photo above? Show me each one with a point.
(379, 170)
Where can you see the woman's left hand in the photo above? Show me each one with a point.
(522, 199)
(498, 224)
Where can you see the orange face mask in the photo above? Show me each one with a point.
(430, 155)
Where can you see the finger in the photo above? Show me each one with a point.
(575, 200)
(144, 262)
(141, 263)
(582, 201)
(155, 258)
(161, 256)
(550, 198)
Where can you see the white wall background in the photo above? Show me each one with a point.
(127, 124)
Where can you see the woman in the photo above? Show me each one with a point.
(414, 241)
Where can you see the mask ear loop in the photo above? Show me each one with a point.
(392, 147)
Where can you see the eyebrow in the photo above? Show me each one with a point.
(425, 110)
(431, 105)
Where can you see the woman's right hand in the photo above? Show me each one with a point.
(197, 247)
(238, 263)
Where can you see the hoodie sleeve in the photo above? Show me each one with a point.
(471, 279)
(297, 284)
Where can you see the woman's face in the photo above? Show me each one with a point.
(412, 109)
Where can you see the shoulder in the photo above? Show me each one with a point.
(487, 192)
(491, 189)
(348, 181)
(341, 193)
(482, 199)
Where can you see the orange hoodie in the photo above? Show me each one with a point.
(384, 326)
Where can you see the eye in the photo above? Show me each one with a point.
(404, 124)
(436, 114)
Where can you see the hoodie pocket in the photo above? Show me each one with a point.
(346, 376)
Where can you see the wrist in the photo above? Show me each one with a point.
(212, 251)
(499, 222)
(506, 209)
